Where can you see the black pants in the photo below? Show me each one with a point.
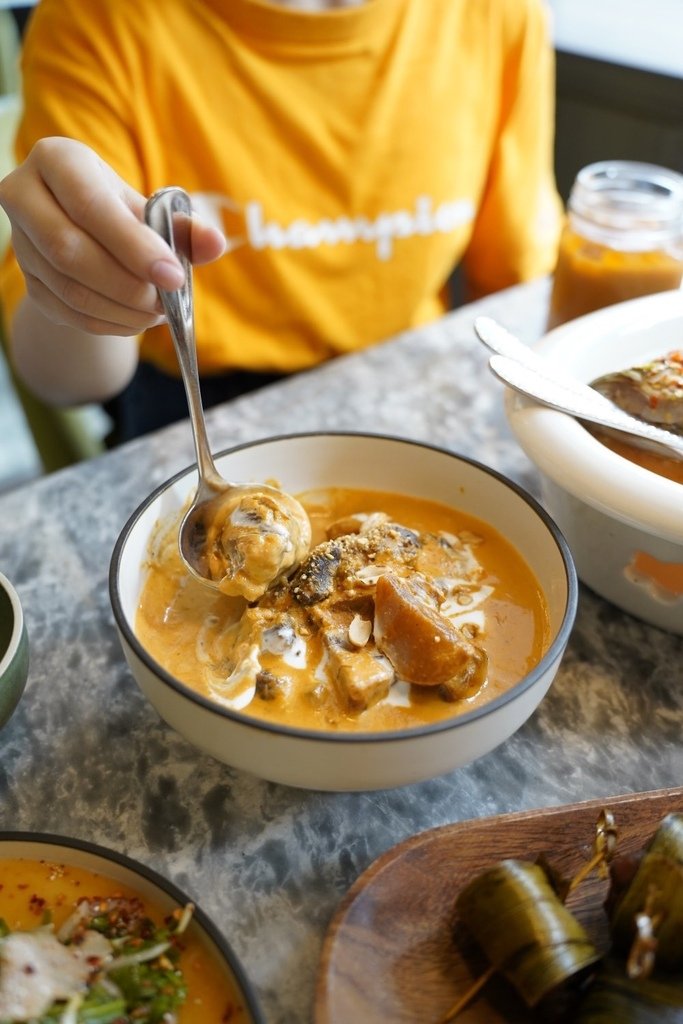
(154, 399)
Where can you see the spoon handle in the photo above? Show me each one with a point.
(169, 213)
(583, 402)
(499, 340)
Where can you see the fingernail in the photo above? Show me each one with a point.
(167, 275)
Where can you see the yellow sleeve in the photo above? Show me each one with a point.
(79, 65)
(12, 287)
(517, 228)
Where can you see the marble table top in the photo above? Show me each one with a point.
(86, 755)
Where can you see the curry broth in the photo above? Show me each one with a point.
(29, 888)
(672, 469)
(186, 627)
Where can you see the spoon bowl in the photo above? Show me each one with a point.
(243, 537)
(237, 537)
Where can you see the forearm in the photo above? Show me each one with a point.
(63, 365)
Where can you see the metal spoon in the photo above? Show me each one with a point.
(651, 391)
(239, 538)
(528, 373)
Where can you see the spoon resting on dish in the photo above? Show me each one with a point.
(522, 369)
(239, 538)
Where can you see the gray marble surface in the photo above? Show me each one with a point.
(85, 755)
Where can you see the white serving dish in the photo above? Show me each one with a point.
(352, 761)
(608, 508)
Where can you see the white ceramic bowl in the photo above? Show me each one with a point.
(610, 509)
(149, 885)
(352, 761)
(13, 650)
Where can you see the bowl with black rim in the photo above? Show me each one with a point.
(14, 656)
(352, 760)
(59, 891)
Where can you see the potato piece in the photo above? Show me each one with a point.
(424, 646)
(361, 676)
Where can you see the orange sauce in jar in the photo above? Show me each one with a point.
(623, 238)
(589, 276)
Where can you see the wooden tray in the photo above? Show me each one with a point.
(392, 952)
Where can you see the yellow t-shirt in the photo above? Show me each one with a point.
(352, 158)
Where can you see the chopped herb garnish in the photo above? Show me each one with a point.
(115, 966)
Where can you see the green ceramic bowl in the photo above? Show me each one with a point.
(13, 650)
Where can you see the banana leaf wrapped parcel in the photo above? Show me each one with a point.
(521, 924)
(642, 981)
(516, 912)
(654, 894)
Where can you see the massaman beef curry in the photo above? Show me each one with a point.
(77, 946)
(404, 612)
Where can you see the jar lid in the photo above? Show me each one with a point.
(628, 205)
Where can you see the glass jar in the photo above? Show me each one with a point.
(623, 237)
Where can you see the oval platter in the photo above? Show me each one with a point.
(393, 951)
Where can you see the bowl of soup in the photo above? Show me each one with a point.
(620, 508)
(13, 650)
(421, 630)
(89, 934)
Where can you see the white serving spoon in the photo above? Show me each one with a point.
(239, 538)
(520, 368)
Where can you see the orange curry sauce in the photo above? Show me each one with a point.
(672, 469)
(187, 628)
